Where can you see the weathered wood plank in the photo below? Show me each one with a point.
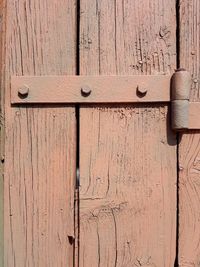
(2, 126)
(127, 187)
(189, 149)
(194, 111)
(128, 153)
(189, 215)
(39, 187)
(40, 141)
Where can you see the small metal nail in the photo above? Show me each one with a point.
(141, 91)
(85, 90)
(23, 91)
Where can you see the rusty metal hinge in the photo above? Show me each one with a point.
(112, 89)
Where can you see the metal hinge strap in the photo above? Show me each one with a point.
(90, 89)
(112, 89)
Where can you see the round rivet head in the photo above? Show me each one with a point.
(85, 90)
(23, 91)
(141, 91)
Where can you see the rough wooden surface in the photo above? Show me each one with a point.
(128, 154)
(39, 187)
(40, 141)
(189, 149)
(194, 111)
(2, 126)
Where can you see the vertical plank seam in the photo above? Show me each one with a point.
(177, 135)
(77, 110)
(178, 34)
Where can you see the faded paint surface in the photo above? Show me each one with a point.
(40, 141)
(189, 149)
(128, 154)
(2, 125)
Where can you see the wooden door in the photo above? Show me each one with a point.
(125, 209)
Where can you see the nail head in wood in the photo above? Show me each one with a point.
(23, 91)
(85, 91)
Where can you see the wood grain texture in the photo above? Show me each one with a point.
(194, 111)
(189, 149)
(127, 198)
(39, 187)
(128, 154)
(189, 43)
(40, 141)
(189, 215)
(2, 125)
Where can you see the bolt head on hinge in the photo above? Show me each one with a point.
(85, 90)
(141, 90)
(23, 91)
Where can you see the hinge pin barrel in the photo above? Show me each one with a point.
(180, 89)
